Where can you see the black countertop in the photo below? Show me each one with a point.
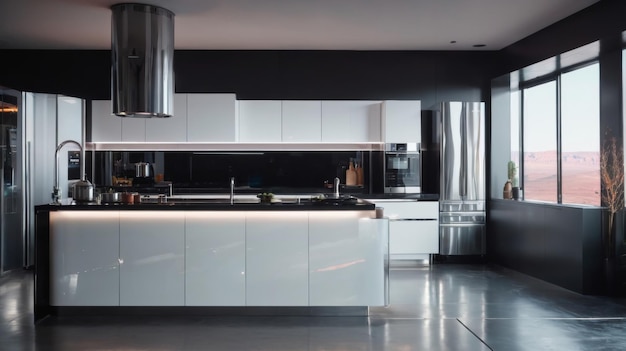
(417, 197)
(219, 205)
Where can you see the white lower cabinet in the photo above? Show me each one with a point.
(346, 272)
(413, 227)
(277, 258)
(84, 268)
(152, 269)
(413, 237)
(215, 259)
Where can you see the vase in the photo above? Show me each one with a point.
(507, 192)
(515, 193)
(614, 254)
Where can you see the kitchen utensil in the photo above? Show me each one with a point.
(143, 170)
(112, 197)
(128, 198)
(83, 191)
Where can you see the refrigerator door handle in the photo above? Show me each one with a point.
(462, 224)
(463, 160)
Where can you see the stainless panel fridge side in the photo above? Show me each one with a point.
(462, 239)
(462, 195)
(462, 151)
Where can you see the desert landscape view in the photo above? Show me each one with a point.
(581, 177)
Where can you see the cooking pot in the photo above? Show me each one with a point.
(143, 170)
(83, 191)
(112, 197)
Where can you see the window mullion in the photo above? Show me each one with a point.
(559, 168)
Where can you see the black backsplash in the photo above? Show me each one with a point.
(275, 171)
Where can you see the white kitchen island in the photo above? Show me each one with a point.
(211, 255)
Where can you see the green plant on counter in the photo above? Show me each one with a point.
(512, 173)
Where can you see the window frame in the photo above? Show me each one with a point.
(555, 76)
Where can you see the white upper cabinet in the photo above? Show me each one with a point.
(105, 126)
(212, 118)
(70, 118)
(133, 129)
(351, 121)
(170, 129)
(260, 121)
(302, 121)
(401, 121)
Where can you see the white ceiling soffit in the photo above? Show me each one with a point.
(292, 25)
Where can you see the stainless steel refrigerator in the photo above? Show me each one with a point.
(462, 195)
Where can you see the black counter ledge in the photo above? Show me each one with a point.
(416, 197)
(360, 205)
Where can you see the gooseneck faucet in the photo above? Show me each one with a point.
(232, 190)
(336, 186)
(56, 190)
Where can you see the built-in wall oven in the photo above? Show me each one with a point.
(402, 168)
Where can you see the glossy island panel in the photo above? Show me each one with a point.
(248, 259)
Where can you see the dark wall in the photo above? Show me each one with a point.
(424, 75)
(601, 21)
(559, 244)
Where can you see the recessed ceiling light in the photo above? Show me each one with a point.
(479, 45)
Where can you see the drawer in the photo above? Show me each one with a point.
(409, 209)
(413, 237)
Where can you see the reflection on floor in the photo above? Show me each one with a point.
(441, 307)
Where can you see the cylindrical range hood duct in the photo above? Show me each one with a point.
(142, 54)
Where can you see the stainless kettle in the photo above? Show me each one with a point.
(83, 191)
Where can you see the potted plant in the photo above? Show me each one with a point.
(512, 173)
(612, 179)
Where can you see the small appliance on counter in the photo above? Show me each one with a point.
(143, 174)
(402, 168)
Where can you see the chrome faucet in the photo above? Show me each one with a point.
(56, 190)
(336, 186)
(232, 190)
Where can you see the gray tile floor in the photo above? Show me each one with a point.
(441, 307)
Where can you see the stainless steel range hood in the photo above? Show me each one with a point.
(142, 54)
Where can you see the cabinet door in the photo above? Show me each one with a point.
(215, 259)
(105, 126)
(133, 129)
(346, 253)
(277, 258)
(401, 121)
(69, 118)
(414, 237)
(260, 121)
(212, 118)
(302, 121)
(171, 129)
(351, 121)
(84, 252)
(152, 272)
(409, 209)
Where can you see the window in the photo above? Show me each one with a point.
(540, 168)
(561, 138)
(580, 136)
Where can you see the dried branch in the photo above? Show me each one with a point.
(612, 176)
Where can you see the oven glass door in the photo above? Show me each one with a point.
(402, 170)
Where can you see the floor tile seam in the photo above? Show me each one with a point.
(475, 335)
(547, 318)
